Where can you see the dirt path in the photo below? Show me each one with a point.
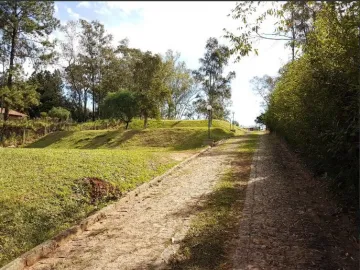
(289, 221)
(145, 231)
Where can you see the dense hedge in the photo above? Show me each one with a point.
(314, 105)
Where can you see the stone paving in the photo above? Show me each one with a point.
(288, 220)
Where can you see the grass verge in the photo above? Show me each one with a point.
(208, 241)
(39, 194)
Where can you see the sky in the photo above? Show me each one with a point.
(184, 27)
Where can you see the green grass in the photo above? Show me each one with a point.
(206, 246)
(37, 198)
(38, 195)
(167, 138)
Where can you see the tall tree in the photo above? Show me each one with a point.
(95, 44)
(149, 84)
(215, 87)
(181, 85)
(50, 89)
(294, 20)
(263, 86)
(74, 72)
(25, 28)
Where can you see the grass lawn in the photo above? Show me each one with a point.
(37, 189)
(39, 192)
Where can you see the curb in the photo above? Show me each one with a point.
(42, 250)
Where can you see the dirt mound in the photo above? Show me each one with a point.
(97, 190)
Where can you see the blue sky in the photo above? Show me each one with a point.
(184, 27)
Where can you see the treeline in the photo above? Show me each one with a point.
(93, 78)
(314, 101)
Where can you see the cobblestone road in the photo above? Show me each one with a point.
(289, 221)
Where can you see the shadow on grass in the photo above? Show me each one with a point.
(110, 139)
(50, 139)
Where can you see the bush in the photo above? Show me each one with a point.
(60, 113)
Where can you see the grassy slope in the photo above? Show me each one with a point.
(173, 135)
(37, 198)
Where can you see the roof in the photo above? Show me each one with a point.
(12, 112)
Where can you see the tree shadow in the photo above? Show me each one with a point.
(50, 139)
(110, 139)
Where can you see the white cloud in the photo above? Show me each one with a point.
(72, 14)
(102, 9)
(84, 4)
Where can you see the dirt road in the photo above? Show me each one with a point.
(145, 232)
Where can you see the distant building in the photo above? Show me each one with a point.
(12, 114)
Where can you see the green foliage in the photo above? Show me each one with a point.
(60, 113)
(315, 102)
(25, 28)
(216, 89)
(50, 90)
(181, 85)
(149, 85)
(21, 94)
(122, 105)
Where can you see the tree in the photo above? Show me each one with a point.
(215, 87)
(50, 89)
(149, 84)
(60, 113)
(180, 83)
(263, 86)
(95, 43)
(294, 20)
(315, 101)
(21, 95)
(122, 105)
(25, 28)
(74, 73)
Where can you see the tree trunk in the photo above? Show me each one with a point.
(93, 107)
(145, 120)
(127, 124)
(85, 105)
(293, 36)
(12, 57)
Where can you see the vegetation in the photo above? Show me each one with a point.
(216, 89)
(25, 28)
(49, 196)
(44, 198)
(313, 102)
(162, 135)
(120, 105)
(59, 113)
(207, 242)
